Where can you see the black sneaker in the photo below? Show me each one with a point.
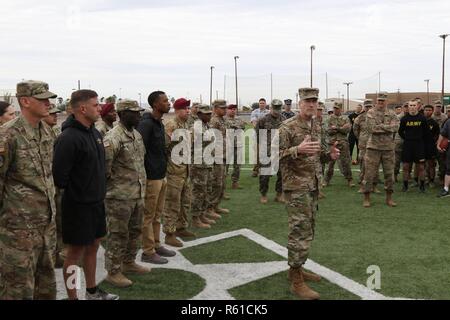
(154, 258)
(444, 194)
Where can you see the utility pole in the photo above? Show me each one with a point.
(236, 77)
(326, 80)
(428, 90)
(271, 87)
(348, 94)
(312, 49)
(79, 84)
(210, 86)
(443, 36)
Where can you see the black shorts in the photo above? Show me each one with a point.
(447, 163)
(430, 150)
(82, 224)
(413, 151)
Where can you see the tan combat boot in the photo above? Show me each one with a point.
(221, 210)
(279, 198)
(366, 202)
(197, 223)
(263, 200)
(210, 214)
(226, 196)
(205, 220)
(300, 288)
(184, 233)
(134, 268)
(389, 200)
(172, 240)
(118, 280)
(306, 275)
(375, 189)
(361, 188)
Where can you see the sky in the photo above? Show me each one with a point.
(131, 47)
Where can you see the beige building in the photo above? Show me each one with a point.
(398, 98)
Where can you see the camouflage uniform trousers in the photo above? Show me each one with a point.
(26, 264)
(302, 209)
(201, 178)
(236, 174)
(178, 203)
(372, 161)
(217, 185)
(125, 218)
(264, 184)
(362, 166)
(344, 160)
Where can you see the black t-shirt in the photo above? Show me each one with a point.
(414, 128)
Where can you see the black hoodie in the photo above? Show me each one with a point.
(79, 163)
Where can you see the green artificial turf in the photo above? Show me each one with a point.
(160, 284)
(237, 249)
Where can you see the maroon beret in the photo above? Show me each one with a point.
(232, 106)
(106, 108)
(181, 103)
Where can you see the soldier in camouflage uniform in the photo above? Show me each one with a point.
(270, 122)
(338, 128)
(193, 114)
(52, 120)
(322, 163)
(218, 175)
(178, 193)
(233, 122)
(27, 199)
(126, 180)
(109, 116)
(382, 124)
(361, 133)
(300, 151)
(440, 118)
(201, 170)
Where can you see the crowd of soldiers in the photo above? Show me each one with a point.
(108, 175)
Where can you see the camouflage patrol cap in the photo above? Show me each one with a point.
(35, 89)
(127, 104)
(437, 102)
(308, 93)
(276, 104)
(220, 103)
(337, 105)
(447, 108)
(382, 96)
(368, 103)
(204, 108)
(320, 106)
(53, 109)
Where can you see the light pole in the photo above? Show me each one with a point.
(348, 94)
(312, 49)
(210, 86)
(120, 93)
(428, 90)
(443, 36)
(140, 100)
(236, 77)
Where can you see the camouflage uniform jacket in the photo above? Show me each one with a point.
(205, 137)
(170, 127)
(102, 127)
(268, 122)
(220, 124)
(235, 123)
(27, 191)
(340, 133)
(382, 126)
(300, 172)
(360, 130)
(125, 171)
(191, 120)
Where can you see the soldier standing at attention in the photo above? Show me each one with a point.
(108, 117)
(152, 131)
(27, 199)
(193, 114)
(235, 123)
(382, 124)
(201, 170)
(440, 118)
(218, 181)
(300, 150)
(398, 144)
(257, 114)
(178, 193)
(352, 140)
(321, 164)
(270, 123)
(79, 170)
(338, 128)
(52, 120)
(288, 113)
(125, 193)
